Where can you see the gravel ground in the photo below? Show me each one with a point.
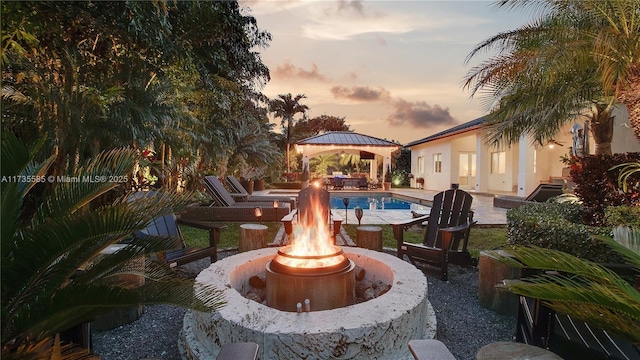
(463, 325)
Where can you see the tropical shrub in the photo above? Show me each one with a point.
(54, 276)
(558, 226)
(290, 176)
(623, 215)
(596, 179)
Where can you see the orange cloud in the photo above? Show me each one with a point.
(288, 70)
(360, 93)
(419, 114)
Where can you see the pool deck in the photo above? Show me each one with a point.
(484, 211)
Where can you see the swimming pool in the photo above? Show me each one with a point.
(375, 202)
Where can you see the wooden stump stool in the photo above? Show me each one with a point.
(508, 350)
(252, 237)
(369, 237)
(132, 279)
(491, 273)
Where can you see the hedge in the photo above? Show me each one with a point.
(558, 226)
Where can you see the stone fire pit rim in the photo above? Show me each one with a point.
(407, 280)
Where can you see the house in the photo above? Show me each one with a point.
(459, 156)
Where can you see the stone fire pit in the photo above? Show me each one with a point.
(375, 329)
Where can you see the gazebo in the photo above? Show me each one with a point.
(347, 142)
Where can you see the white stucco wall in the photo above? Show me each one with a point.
(526, 167)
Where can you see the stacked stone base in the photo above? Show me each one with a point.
(380, 328)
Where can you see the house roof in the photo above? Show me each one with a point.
(345, 138)
(458, 129)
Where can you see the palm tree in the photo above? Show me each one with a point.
(578, 58)
(286, 107)
(249, 143)
(53, 274)
(351, 159)
(321, 163)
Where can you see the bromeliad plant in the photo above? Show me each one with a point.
(54, 276)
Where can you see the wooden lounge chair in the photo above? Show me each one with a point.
(446, 234)
(239, 193)
(225, 208)
(307, 199)
(544, 192)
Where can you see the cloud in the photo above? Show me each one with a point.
(355, 5)
(288, 70)
(349, 19)
(360, 93)
(414, 114)
(419, 114)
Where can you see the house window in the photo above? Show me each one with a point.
(420, 165)
(498, 162)
(437, 163)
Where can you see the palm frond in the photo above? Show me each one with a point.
(576, 287)
(54, 272)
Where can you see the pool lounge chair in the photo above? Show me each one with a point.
(225, 208)
(544, 192)
(239, 193)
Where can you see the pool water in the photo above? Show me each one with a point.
(375, 203)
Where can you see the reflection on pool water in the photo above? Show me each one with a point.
(375, 203)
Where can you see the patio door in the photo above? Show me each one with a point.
(467, 171)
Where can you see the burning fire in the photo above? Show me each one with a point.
(311, 237)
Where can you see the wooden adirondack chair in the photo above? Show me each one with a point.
(446, 234)
(168, 226)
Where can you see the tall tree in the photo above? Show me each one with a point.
(286, 107)
(93, 75)
(557, 68)
(317, 125)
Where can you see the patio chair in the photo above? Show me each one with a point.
(446, 234)
(239, 193)
(308, 199)
(225, 208)
(167, 226)
(338, 183)
(363, 183)
(544, 192)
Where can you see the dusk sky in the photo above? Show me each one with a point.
(393, 69)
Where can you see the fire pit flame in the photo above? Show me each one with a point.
(312, 268)
(311, 238)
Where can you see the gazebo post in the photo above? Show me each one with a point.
(373, 171)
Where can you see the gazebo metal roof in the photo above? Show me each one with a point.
(346, 138)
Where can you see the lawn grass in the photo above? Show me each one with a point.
(481, 238)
